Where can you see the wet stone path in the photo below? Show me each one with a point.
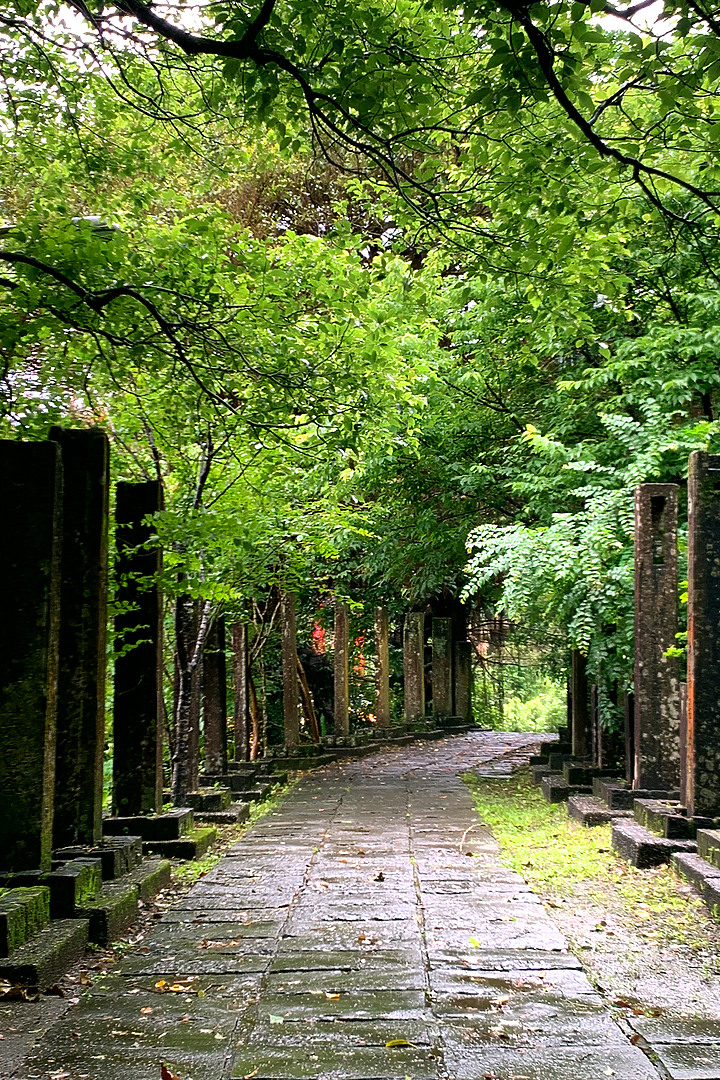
(366, 929)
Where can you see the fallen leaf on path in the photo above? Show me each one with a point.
(166, 1074)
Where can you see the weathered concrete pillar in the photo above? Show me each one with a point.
(341, 700)
(414, 665)
(241, 708)
(137, 730)
(215, 700)
(291, 714)
(382, 668)
(657, 682)
(581, 718)
(83, 636)
(31, 500)
(463, 687)
(442, 667)
(703, 677)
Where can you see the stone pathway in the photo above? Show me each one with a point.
(365, 930)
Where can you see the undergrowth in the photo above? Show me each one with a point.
(562, 860)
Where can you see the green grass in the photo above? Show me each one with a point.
(561, 859)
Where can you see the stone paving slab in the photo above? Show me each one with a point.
(366, 929)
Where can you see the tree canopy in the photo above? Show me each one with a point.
(399, 301)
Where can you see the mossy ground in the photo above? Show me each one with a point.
(555, 855)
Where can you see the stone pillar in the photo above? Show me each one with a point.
(703, 676)
(581, 718)
(341, 713)
(414, 665)
(463, 687)
(291, 714)
(657, 683)
(442, 667)
(215, 700)
(83, 636)
(31, 500)
(137, 704)
(382, 669)
(241, 708)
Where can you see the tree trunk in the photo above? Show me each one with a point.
(214, 687)
(240, 677)
(189, 649)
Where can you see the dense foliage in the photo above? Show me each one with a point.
(371, 286)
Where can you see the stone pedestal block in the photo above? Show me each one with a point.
(31, 500)
(657, 683)
(137, 731)
(341, 714)
(414, 665)
(382, 669)
(703, 676)
(83, 636)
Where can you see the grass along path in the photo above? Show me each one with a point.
(644, 936)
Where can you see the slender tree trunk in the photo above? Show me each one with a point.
(214, 689)
(240, 677)
(307, 703)
(189, 653)
(254, 720)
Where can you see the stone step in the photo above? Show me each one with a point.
(170, 825)
(235, 782)
(23, 914)
(556, 789)
(118, 855)
(591, 811)
(641, 848)
(578, 772)
(192, 845)
(619, 796)
(539, 772)
(234, 814)
(211, 798)
(149, 878)
(44, 959)
(257, 794)
(71, 884)
(702, 875)
(709, 845)
(115, 909)
(669, 819)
